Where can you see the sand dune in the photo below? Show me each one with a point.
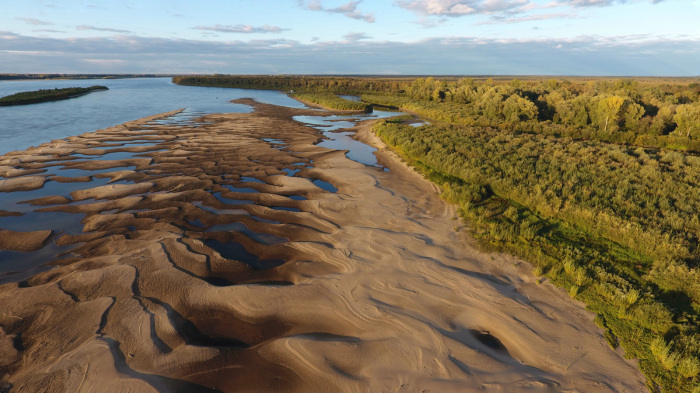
(204, 266)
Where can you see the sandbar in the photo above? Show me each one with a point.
(207, 268)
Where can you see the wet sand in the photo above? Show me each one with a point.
(200, 264)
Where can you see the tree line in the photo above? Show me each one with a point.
(657, 113)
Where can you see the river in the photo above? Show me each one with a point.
(127, 99)
(23, 126)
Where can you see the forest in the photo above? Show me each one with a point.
(594, 181)
(45, 95)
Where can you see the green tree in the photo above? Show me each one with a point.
(438, 93)
(632, 113)
(463, 94)
(688, 119)
(662, 123)
(516, 108)
(575, 112)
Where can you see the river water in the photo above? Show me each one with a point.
(127, 99)
(130, 99)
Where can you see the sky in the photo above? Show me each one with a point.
(371, 37)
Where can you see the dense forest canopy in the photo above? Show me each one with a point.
(594, 181)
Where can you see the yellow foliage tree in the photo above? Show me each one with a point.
(687, 118)
(610, 107)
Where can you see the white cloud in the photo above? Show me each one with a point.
(348, 9)
(104, 62)
(354, 37)
(586, 3)
(585, 55)
(434, 12)
(35, 22)
(503, 5)
(107, 29)
(246, 29)
(32, 52)
(599, 3)
(528, 18)
(463, 7)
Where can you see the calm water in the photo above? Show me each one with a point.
(128, 99)
(350, 98)
(357, 151)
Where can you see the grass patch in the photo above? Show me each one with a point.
(332, 101)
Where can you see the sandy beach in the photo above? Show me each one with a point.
(233, 254)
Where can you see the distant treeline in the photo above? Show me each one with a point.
(76, 76)
(305, 84)
(596, 182)
(45, 95)
(650, 113)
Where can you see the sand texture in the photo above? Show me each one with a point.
(23, 241)
(200, 265)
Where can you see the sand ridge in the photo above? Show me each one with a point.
(205, 266)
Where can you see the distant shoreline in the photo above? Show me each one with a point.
(47, 95)
(16, 77)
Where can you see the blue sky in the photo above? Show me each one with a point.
(466, 37)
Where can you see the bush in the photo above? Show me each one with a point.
(332, 101)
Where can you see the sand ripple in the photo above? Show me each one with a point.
(204, 266)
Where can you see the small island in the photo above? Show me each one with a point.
(45, 95)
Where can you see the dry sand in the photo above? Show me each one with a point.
(369, 289)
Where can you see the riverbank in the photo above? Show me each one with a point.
(213, 259)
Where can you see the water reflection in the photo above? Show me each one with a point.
(357, 151)
(350, 98)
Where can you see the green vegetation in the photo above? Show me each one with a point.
(44, 95)
(310, 84)
(617, 227)
(596, 182)
(639, 112)
(332, 101)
